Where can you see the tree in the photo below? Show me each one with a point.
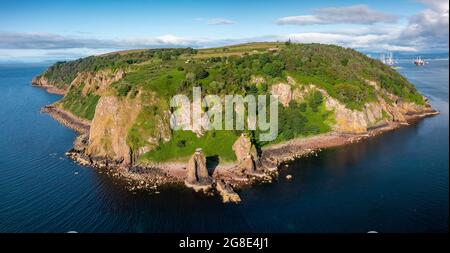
(166, 56)
(292, 122)
(315, 100)
(201, 74)
(288, 43)
(251, 89)
(273, 69)
(264, 59)
(303, 107)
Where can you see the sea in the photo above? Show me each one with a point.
(396, 182)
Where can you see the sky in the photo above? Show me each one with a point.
(61, 30)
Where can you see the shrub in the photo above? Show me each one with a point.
(202, 74)
(181, 143)
(315, 100)
(123, 90)
(273, 69)
(350, 94)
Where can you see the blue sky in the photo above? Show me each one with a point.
(45, 30)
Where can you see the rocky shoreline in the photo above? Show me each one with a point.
(222, 179)
(289, 151)
(67, 119)
(41, 82)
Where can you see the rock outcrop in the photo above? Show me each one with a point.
(152, 136)
(373, 114)
(346, 120)
(81, 142)
(42, 82)
(284, 93)
(97, 82)
(66, 118)
(247, 156)
(197, 176)
(227, 193)
(109, 128)
(291, 80)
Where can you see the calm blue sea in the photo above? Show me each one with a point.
(397, 182)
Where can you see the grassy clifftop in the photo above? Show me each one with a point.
(342, 72)
(155, 75)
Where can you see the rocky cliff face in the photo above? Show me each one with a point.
(283, 92)
(41, 81)
(152, 125)
(109, 128)
(97, 82)
(106, 133)
(246, 154)
(373, 114)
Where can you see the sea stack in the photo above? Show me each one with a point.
(197, 176)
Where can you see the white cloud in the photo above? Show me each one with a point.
(172, 40)
(37, 55)
(301, 20)
(361, 41)
(220, 21)
(430, 26)
(427, 30)
(356, 14)
(436, 4)
(14, 40)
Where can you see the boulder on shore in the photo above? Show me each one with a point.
(227, 193)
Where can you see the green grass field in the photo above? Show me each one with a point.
(183, 144)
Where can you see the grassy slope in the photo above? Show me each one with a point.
(78, 104)
(183, 144)
(237, 50)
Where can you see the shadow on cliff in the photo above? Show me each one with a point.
(211, 163)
